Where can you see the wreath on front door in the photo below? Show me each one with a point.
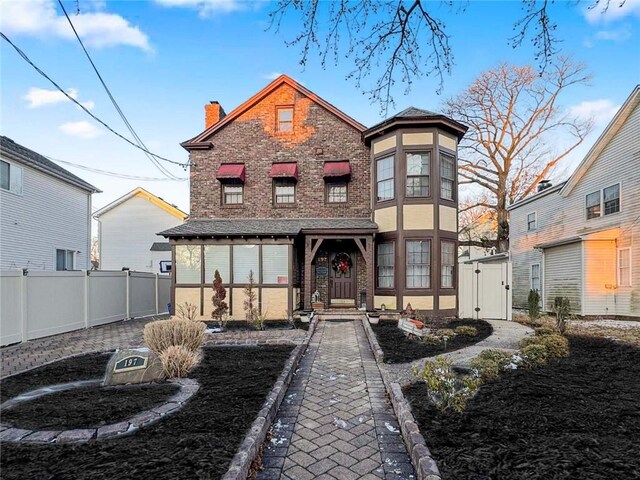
(341, 263)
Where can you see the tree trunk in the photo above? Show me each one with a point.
(503, 221)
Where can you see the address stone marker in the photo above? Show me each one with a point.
(130, 366)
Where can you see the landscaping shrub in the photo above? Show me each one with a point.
(546, 330)
(556, 345)
(431, 339)
(162, 334)
(178, 361)
(251, 299)
(446, 332)
(562, 309)
(220, 307)
(446, 390)
(533, 304)
(466, 330)
(490, 363)
(535, 355)
(186, 311)
(259, 319)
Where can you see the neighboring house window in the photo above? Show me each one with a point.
(611, 198)
(64, 259)
(384, 264)
(535, 277)
(418, 166)
(285, 119)
(385, 178)
(232, 194)
(624, 267)
(336, 192)
(10, 177)
(447, 174)
(284, 192)
(418, 264)
(447, 259)
(603, 202)
(532, 221)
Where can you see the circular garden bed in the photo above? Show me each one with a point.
(398, 347)
(577, 417)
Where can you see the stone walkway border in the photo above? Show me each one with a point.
(8, 433)
(423, 462)
(252, 443)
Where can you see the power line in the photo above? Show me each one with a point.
(138, 140)
(60, 89)
(115, 174)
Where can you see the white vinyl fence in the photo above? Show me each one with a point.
(38, 304)
(485, 290)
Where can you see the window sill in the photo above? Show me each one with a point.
(285, 205)
(233, 206)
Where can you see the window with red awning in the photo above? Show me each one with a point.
(284, 170)
(231, 171)
(336, 169)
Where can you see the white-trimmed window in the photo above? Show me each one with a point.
(535, 277)
(624, 267)
(603, 202)
(10, 177)
(532, 221)
(64, 259)
(384, 264)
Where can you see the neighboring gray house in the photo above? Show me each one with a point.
(127, 232)
(45, 212)
(581, 238)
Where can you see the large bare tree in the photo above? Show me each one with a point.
(516, 131)
(399, 41)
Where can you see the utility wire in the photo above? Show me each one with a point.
(115, 174)
(37, 69)
(113, 100)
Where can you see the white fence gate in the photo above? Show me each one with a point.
(485, 290)
(37, 304)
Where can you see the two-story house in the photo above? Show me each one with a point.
(581, 238)
(127, 229)
(316, 205)
(45, 212)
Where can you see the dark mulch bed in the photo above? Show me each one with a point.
(577, 418)
(398, 348)
(240, 326)
(197, 442)
(87, 407)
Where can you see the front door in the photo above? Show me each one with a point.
(342, 278)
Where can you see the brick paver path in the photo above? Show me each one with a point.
(334, 422)
(27, 355)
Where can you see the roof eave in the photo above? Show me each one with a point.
(536, 196)
(458, 128)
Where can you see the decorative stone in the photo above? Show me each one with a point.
(144, 418)
(13, 434)
(130, 366)
(42, 436)
(113, 430)
(79, 435)
(166, 408)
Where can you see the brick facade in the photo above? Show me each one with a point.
(317, 136)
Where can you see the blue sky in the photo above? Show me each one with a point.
(164, 59)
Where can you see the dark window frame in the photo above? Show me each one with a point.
(392, 178)
(393, 265)
(454, 180)
(224, 186)
(284, 182)
(452, 265)
(429, 263)
(333, 183)
(531, 228)
(428, 176)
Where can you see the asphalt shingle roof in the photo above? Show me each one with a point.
(22, 154)
(265, 226)
(412, 112)
(160, 247)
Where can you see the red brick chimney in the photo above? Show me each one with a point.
(213, 113)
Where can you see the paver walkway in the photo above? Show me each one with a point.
(505, 336)
(27, 355)
(334, 422)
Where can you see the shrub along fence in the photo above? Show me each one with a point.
(35, 304)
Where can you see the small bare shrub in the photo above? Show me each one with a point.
(162, 334)
(251, 298)
(178, 361)
(490, 363)
(259, 319)
(562, 309)
(186, 311)
(466, 330)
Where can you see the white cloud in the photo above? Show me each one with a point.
(97, 29)
(601, 111)
(206, 8)
(271, 75)
(81, 129)
(614, 12)
(41, 97)
(615, 35)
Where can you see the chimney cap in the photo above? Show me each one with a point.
(214, 102)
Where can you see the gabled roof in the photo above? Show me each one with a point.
(14, 151)
(142, 193)
(200, 140)
(609, 133)
(536, 196)
(415, 117)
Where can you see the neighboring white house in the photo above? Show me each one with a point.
(581, 238)
(127, 232)
(45, 212)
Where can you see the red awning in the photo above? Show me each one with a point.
(228, 171)
(337, 169)
(284, 170)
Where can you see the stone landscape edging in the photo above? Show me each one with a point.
(423, 462)
(188, 388)
(250, 446)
